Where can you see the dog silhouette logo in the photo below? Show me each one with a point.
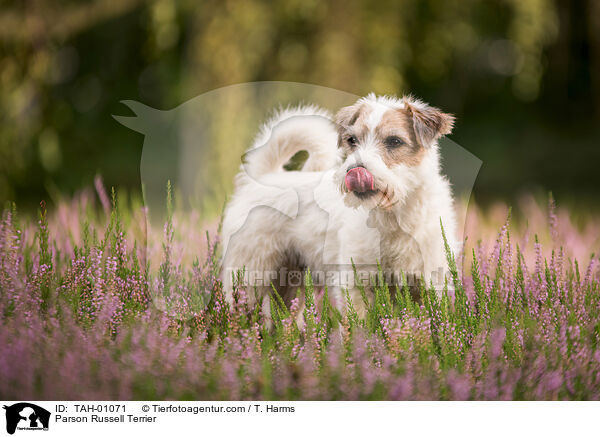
(26, 416)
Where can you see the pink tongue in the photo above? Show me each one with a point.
(359, 179)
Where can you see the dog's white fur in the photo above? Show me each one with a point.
(308, 218)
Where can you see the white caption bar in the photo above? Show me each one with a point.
(245, 418)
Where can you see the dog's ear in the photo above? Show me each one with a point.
(429, 123)
(347, 116)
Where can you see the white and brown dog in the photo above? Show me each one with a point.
(370, 192)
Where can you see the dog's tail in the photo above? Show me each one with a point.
(292, 130)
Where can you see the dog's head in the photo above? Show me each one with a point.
(388, 146)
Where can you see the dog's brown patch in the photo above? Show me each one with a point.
(348, 115)
(351, 118)
(397, 123)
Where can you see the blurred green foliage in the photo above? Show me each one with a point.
(523, 77)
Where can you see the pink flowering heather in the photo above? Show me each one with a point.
(94, 304)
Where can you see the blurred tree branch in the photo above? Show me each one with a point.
(43, 20)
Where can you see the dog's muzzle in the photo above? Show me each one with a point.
(359, 180)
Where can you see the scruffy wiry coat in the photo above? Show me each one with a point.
(370, 192)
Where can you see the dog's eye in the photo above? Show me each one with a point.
(393, 142)
(352, 141)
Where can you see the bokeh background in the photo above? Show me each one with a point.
(522, 76)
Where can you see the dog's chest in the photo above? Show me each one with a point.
(401, 252)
